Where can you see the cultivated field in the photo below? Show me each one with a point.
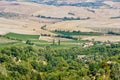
(23, 19)
(88, 25)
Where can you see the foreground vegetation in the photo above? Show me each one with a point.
(98, 62)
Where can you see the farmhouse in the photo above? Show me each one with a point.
(81, 56)
(87, 44)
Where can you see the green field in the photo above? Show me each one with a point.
(77, 33)
(22, 37)
(11, 39)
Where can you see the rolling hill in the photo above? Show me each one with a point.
(79, 3)
(29, 17)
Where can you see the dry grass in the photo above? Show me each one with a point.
(102, 38)
(55, 11)
(4, 40)
(28, 24)
(46, 38)
(23, 26)
(113, 4)
(87, 25)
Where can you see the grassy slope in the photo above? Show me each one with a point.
(23, 37)
(19, 38)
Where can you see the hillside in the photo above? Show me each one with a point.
(80, 3)
(59, 40)
(49, 63)
(30, 18)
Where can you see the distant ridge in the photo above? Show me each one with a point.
(79, 3)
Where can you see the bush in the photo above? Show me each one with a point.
(29, 42)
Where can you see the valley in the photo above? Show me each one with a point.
(59, 40)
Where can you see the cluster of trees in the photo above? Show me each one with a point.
(29, 42)
(71, 18)
(113, 33)
(46, 35)
(47, 17)
(54, 43)
(77, 33)
(64, 18)
(116, 17)
(89, 4)
(66, 36)
(35, 63)
(106, 30)
(8, 14)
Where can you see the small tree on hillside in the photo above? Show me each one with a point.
(53, 42)
(29, 42)
(58, 42)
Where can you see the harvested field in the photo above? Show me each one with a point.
(102, 38)
(27, 22)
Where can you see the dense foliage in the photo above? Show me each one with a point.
(113, 33)
(115, 17)
(33, 63)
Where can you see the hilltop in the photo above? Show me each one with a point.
(80, 3)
